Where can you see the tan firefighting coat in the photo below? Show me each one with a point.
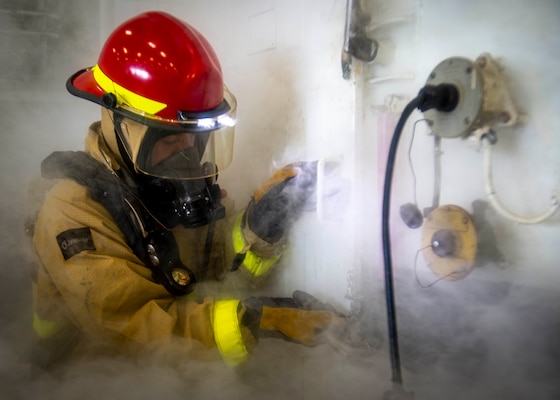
(105, 292)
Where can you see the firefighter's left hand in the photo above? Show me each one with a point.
(281, 199)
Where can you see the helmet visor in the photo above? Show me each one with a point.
(198, 147)
(185, 155)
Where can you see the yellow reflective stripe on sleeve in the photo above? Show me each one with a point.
(126, 96)
(227, 332)
(256, 265)
(43, 328)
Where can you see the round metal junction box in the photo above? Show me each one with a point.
(464, 74)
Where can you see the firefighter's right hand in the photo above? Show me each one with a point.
(301, 318)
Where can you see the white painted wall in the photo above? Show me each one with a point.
(496, 322)
(524, 38)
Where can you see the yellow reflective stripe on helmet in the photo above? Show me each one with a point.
(43, 328)
(255, 265)
(227, 332)
(126, 96)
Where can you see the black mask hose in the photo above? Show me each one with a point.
(444, 98)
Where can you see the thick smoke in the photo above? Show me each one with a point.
(489, 336)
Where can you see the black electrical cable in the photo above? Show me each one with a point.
(389, 287)
(443, 97)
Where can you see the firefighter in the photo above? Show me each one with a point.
(135, 221)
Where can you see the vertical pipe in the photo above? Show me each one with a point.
(348, 25)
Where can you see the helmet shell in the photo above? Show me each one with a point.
(155, 65)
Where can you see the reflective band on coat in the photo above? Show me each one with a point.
(126, 96)
(43, 328)
(227, 332)
(256, 265)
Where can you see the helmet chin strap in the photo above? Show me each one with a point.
(108, 135)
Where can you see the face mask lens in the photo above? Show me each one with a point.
(176, 156)
(170, 146)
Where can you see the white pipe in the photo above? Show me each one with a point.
(387, 78)
(490, 191)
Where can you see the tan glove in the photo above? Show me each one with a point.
(280, 200)
(301, 326)
(301, 319)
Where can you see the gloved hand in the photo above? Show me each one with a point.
(281, 199)
(302, 318)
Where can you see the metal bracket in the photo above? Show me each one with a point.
(485, 99)
(356, 42)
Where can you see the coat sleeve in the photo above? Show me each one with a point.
(253, 255)
(107, 292)
(260, 233)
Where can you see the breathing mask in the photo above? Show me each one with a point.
(176, 167)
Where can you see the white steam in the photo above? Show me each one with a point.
(490, 336)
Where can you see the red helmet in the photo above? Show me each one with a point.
(159, 71)
(157, 65)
